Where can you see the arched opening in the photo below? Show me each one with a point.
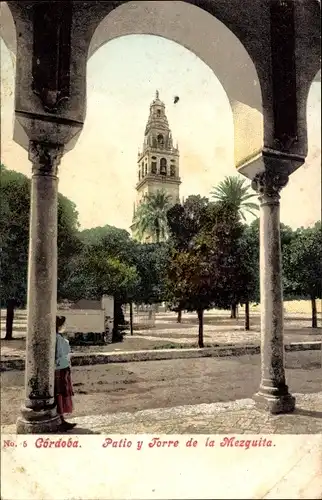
(217, 45)
(160, 140)
(154, 165)
(163, 166)
(113, 106)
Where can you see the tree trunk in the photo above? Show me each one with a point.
(314, 316)
(233, 311)
(9, 318)
(246, 315)
(131, 318)
(119, 321)
(179, 316)
(157, 235)
(200, 335)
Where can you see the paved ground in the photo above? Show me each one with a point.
(130, 387)
(231, 417)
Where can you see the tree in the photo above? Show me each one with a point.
(247, 286)
(185, 222)
(14, 227)
(189, 282)
(302, 265)
(234, 191)
(201, 269)
(150, 219)
(151, 263)
(117, 242)
(68, 241)
(95, 273)
(105, 265)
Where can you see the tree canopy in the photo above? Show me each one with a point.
(210, 257)
(14, 228)
(203, 263)
(302, 265)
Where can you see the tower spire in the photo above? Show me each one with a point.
(157, 94)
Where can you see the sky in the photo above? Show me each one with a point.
(100, 173)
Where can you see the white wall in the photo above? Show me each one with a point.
(88, 320)
(108, 307)
(83, 320)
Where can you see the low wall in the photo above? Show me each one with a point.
(83, 320)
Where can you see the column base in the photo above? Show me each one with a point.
(274, 403)
(38, 422)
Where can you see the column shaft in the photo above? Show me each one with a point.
(39, 413)
(273, 393)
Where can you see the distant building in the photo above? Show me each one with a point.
(158, 162)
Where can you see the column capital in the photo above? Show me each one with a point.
(268, 185)
(45, 158)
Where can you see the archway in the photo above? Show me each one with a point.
(217, 45)
(261, 31)
(117, 114)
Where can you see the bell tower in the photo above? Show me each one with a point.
(158, 162)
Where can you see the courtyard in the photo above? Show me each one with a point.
(115, 388)
(131, 387)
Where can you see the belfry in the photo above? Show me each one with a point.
(158, 162)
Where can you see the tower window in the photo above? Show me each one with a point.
(153, 167)
(158, 112)
(172, 170)
(163, 166)
(160, 140)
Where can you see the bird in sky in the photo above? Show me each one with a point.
(176, 99)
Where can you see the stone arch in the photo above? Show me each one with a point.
(217, 45)
(8, 30)
(241, 39)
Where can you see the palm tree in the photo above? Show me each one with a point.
(150, 219)
(233, 190)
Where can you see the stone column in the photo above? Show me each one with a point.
(273, 394)
(39, 415)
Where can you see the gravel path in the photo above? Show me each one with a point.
(103, 389)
